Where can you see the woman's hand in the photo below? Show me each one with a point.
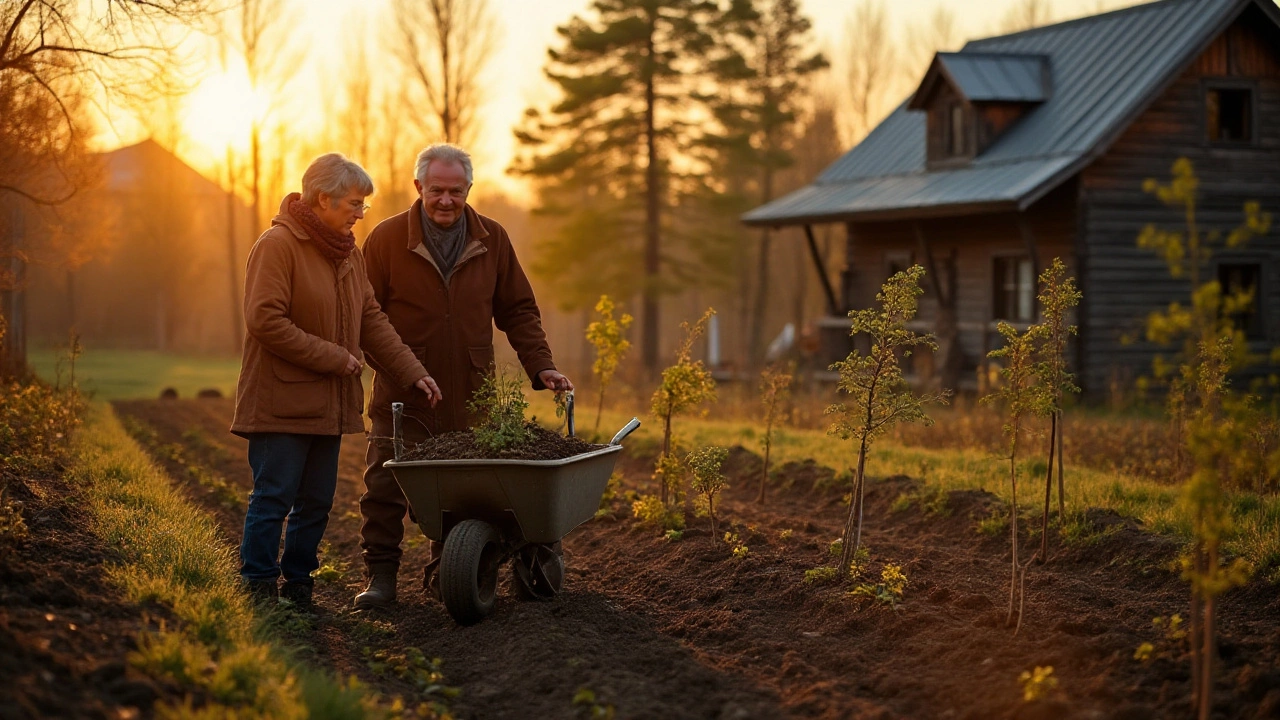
(428, 386)
(354, 366)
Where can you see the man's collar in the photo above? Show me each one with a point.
(475, 228)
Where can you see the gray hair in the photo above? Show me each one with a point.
(334, 175)
(442, 151)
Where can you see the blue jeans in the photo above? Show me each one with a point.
(294, 476)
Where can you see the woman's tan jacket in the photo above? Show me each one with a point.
(303, 314)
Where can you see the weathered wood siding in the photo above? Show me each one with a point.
(975, 240)
(1123, 283)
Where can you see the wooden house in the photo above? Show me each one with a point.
(1025, 147)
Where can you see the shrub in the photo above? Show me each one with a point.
(607, 336)
(651, 511)
(499, 406)
(1037, 683)
(708, 481)
(685, 385)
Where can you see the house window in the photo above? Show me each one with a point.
(1241, 291)
(1229, 114)
(1014, 289)
(957, 131)
(896, 261)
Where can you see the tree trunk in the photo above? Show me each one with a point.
(764, 472)
(1013, 535)
(666, 450)
(233, 275)
(1048, 488)
(1196, 632)
(761, 306)
(853, 525)
(652, 236)
(711, 511)
(1062, 493)
(599, 407)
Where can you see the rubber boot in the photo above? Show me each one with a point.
(298, 594)
(380, 594)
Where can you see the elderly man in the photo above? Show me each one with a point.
(445, 276)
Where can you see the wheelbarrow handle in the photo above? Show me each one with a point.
(568, 412)
(625, 431)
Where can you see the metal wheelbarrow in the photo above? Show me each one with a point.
(489, 512)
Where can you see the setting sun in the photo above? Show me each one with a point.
(221, 111)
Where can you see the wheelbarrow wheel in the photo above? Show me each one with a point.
(469, 568)
(538, 572)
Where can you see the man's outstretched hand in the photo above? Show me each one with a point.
(555, 381)
(428, 386)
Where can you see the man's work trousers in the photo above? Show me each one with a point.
(383, 505)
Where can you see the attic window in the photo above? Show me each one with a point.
(957, 131)
(1229, 114)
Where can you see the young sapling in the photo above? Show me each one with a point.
(685, 385)
(775, 386)
(607, 336)
(879, 396)
(708, 481)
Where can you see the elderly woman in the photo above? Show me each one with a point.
(309, 312)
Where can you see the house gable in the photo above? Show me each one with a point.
(1121, 281)
(970, 99)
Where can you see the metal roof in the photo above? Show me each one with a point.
(1105, 69)
(998, 77)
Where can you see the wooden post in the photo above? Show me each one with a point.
(834, 307)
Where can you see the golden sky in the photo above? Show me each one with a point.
(219, 110)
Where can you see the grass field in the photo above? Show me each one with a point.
(129, 374)
(120, 374)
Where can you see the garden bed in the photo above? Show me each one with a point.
(683, 629)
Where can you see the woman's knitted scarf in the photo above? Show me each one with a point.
(332, 244)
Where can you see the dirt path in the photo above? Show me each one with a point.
(684, 630)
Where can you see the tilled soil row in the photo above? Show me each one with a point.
(660, 628)
(65, 630)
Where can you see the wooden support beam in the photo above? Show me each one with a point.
(833, 306)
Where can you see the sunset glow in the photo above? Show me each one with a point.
(221, 112)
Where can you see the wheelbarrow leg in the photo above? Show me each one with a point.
(538, 571)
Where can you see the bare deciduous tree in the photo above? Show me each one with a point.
(937, 33)
(445, 45)
(870, 65)
(52, 52)
(1027, 14)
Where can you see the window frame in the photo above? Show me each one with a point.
(1260, 312)
(1230, 83)
(1013, 255)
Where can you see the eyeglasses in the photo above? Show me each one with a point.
(362, 207)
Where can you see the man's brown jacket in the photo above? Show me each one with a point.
(450, 326)
(303, 316)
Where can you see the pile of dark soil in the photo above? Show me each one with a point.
(542, 444)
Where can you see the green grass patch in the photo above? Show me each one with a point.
(1157, 506)
(130, 374)
(171, 555)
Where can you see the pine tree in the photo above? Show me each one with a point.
(626, 75)
(763, 59)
